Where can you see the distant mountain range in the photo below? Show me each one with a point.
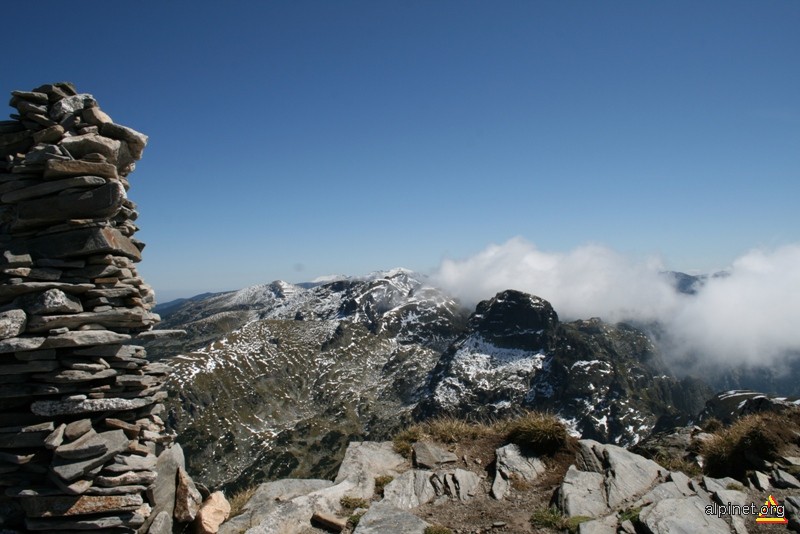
(274, 380)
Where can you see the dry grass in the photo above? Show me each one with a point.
(677, 463)
(240, 498)
(353, 520)
(552, 518)
(351, 503)
(437, 529)
(380, 483)
(764, 434)
(444, 429)
(537, 432)
(405, 438)
(712, 424)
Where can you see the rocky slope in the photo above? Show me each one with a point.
(299, 372)
(605, 489)
(486, 479)
(258, 403)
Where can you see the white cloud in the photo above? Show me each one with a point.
(751, 316)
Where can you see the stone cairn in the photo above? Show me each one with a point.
(82, 443)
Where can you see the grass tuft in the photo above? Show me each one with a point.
(677, 463)
(542, 433)
(631, 514)
(763, 435)
(349, 502)
(552, 518)
(405, 438)
(353, 520)
(712, 424)
(437, 529)
(239, 499)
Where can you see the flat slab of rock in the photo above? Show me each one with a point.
(88, 445)
(212, 513)
(115, 442)
(50, 408)
(13, 290)
(665, 490)
(686, 514)
(511, 464)
(49, 302)
(267, 498)
(411, 489)
(162, 493)
(48, 188)
(583, 493)
(329, 522)
(631, 474)
(467, 484)
(364, 460)
(55, 168)
(136, 141)
(605, 525)
(20, 344)
(162, 524)
(430, 456)
(117, 317)
(83, 242)
(60, 506)
(187, 498)
(120, 522)
(713, 485)
(100, 202)
(724, 497)
(76, 429)
(760, 481)
(782, 479)
(384, 518)
(84, 338)
(81, 145)
(132, 463)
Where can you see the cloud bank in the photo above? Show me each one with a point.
(751, 316)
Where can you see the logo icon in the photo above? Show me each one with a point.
(772, 513)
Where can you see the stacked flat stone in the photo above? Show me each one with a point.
(80, 405)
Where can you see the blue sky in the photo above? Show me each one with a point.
(296, 139)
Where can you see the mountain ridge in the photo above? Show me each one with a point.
(277, 378)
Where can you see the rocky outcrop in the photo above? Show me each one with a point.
(609, 486)
(363, 462)
(728, 406)
(81, 433)
(607, 490)
(511, 465)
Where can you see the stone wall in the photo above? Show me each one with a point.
(81, 437)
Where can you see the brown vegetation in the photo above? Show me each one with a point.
(762, 435)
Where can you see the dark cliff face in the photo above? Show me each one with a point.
(313, 368)
(513, 319)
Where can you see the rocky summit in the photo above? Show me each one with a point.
(299, 372)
